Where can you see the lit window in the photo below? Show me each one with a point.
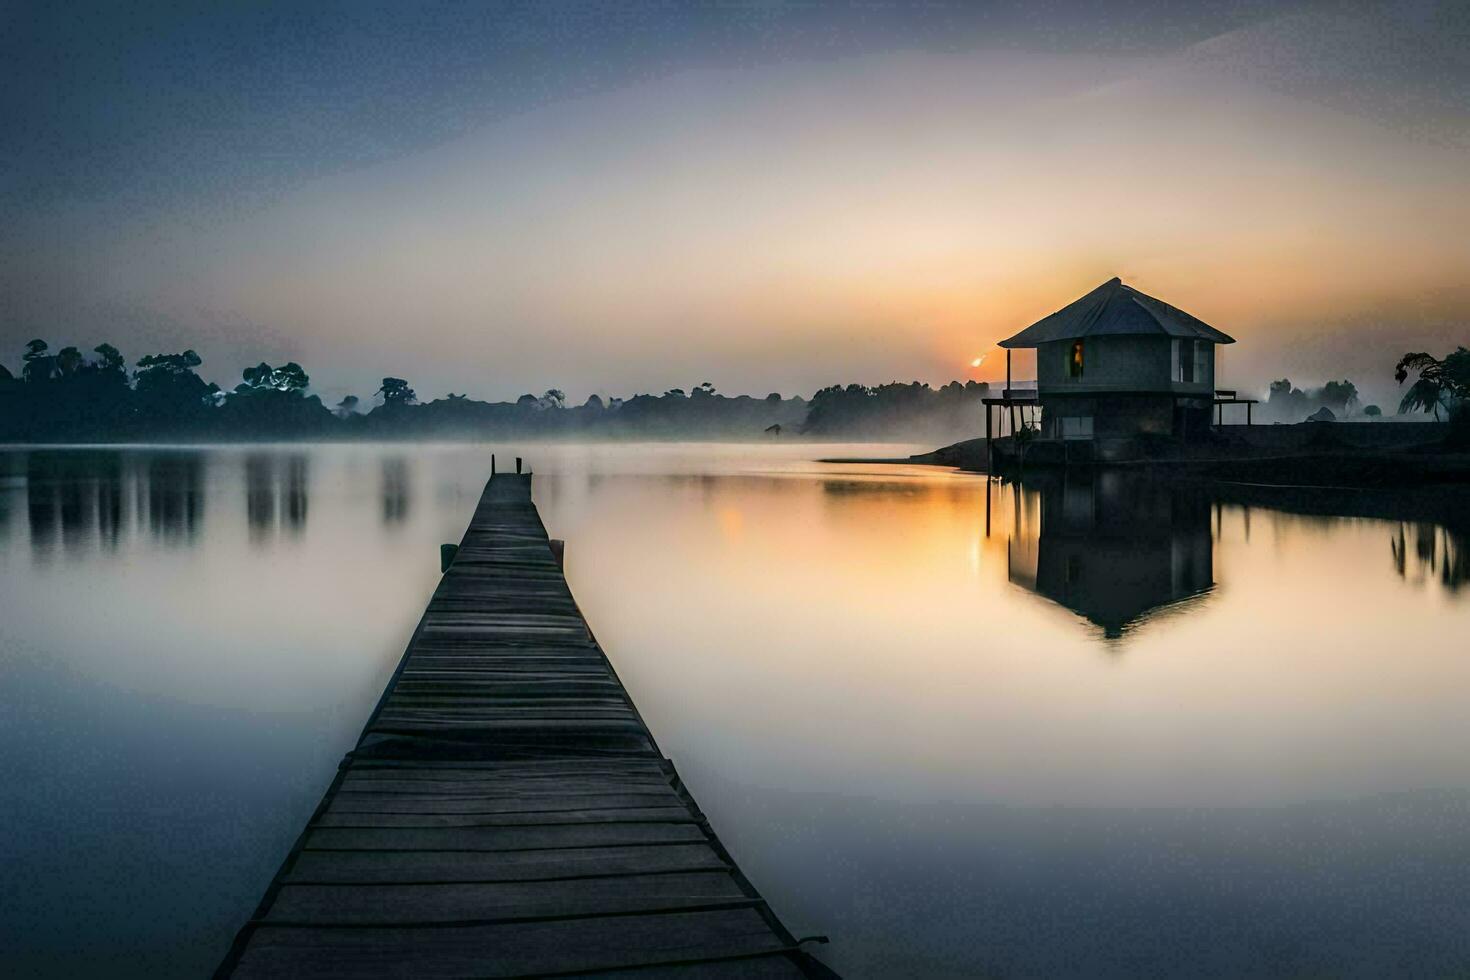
(1074, 362)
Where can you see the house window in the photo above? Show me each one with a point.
(1074, 360)
(1184, 361)
(1076, 426)
(1202, 353)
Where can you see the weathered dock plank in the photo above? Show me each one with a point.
(506, 812)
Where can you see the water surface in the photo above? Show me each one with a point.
(1091, 727)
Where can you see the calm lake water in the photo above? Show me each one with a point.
(1093, 728)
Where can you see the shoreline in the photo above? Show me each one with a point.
(1306, 456)
(968, 455)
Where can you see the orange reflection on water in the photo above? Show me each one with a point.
(879, 680)
(863, 633)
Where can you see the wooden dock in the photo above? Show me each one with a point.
(506, 812)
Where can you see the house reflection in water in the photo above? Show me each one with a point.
(1111, 546)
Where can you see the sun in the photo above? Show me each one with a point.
(977, 362)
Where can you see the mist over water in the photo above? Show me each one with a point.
(1084, 727)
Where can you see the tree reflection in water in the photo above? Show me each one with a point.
(395, 490)
(77, 498)
(1437, 551)
(173, 484)
(276, 494)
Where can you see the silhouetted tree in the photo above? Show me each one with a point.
(1440, 383)
(911, 410)
(162, 365)
(169, 391)
(68, 361)
(288, 378)
(272, 402)
(92, 398)
(395, 391)
(1289, 404)
(37, 363)
(1340, 396)
(255, 378)
(1285, 402)
(110, 360)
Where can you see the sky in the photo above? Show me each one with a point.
(498, 199)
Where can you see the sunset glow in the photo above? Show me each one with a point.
(573, 242)
(1013, 457)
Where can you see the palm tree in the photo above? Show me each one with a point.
(1427, 393)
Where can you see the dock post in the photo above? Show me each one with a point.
(989, 445)
(989, 487)
(518, 466)
(492, 464)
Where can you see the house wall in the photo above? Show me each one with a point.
(1121, 363)
(1110, 414)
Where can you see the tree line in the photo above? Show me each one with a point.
(1287, 403)
(71, 396)
(1442, 390)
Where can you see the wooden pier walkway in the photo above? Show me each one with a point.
(506, 812)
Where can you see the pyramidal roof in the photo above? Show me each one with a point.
(1113, 309)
